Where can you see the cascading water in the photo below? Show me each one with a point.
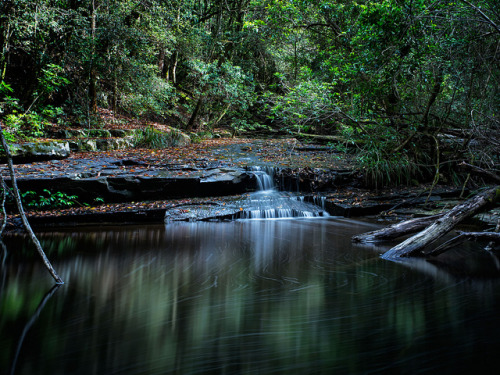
(269, 203)
(265, 177)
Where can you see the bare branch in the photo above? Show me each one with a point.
(488, 19)
(17, 198)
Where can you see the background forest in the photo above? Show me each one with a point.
(412, 87)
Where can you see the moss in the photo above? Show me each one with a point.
(154, 138)
(496, 199)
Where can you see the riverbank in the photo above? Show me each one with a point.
(386, 206)
(142, 185)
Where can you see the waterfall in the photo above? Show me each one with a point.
(319, 201)
(265, 177)
(269, 203)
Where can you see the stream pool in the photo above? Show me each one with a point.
(290, 296)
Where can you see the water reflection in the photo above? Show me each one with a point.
(280, 297)
(30, 323)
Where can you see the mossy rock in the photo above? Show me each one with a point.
(101, 144)
(38, 150)
(222, 133)
(94, 133)
(150, 137)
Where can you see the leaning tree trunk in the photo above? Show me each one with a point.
(17, 198)
(444, 224)
(194, 116)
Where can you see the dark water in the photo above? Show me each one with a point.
(254, 297)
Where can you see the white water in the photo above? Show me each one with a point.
(269, 203)
(265, 178)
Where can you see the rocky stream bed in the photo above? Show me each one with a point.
(213, 180)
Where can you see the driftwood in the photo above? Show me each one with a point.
(462, 237)
(492, 243)
(396, 230)
(443, 225)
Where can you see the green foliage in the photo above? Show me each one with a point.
(25, 125)
(98, 200)
(52, 80)
(381, 169)
(153, 138)
(241, 125)
(394, 72)
(227, 92)
(149, 96)
(48, 199)
(308, 106)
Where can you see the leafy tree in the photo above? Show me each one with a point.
(393, 77)
(401, 75)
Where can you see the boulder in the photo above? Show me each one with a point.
(38, 151)
(101, 144)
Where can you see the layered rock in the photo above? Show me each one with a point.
(75, 140)
(39, 151)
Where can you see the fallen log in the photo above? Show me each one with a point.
(325, 139)
(396, 230)
(462, 237)
(480, 171)
(444, 224)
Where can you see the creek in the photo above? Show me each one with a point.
(270, 203)
(249, 296)
(278, 296)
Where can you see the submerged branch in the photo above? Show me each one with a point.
(4, 198)
(30, 323)
(462, 237)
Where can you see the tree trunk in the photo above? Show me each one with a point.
(114, 95)
(17, 198)
(436, 89)
(194, 115)
(5, 49)
(161, 62)
(490, 246)
(444, 224)
(93, 74)
(221, 116)
(396, 230)
(174, 67)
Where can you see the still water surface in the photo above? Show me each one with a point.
(245, 297)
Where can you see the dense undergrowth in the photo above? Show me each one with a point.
(409, 89)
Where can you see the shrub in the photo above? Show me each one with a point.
(48, 199)
(150, 137)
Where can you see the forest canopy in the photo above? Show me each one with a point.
(411, 86)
